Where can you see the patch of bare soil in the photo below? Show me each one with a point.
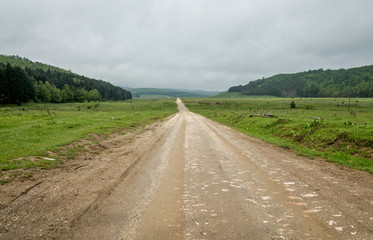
(45, 203)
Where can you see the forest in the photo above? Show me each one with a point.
(22, 80)
(354, 82)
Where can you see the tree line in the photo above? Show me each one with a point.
(354, 82)
(18, 85)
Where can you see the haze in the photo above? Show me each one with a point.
(194, 44)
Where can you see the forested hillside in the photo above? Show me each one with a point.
(354, 82)
(26, 63)
(22, 80)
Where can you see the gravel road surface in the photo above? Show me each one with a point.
(189, 178)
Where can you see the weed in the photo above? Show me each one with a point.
(4, 181)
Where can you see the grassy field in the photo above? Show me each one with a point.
(153, 96)
(329, 128)
(237, 95)
(33, 129)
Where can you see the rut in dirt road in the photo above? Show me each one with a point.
(191, 178)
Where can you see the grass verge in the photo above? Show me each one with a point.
(30, 132)
(339, 130)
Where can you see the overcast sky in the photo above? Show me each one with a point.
(192, 44)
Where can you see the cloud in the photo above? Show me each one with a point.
(205, 44)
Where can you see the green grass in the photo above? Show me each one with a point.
(319, 127)
(33, 129)
(153, 96)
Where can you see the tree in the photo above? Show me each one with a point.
(67, 94)
(43, 93)
(55, 94)
(16, 86)
(80, 95)
(93, 95)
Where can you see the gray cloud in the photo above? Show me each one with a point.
(204, 44)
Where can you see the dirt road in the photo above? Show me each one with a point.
(190, 178)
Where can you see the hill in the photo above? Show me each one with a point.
(26, 63)
(202, 92)
(22, 80)
(354, 82)
(164, 93)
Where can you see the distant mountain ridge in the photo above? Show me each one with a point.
(164, 92)
(354, 82)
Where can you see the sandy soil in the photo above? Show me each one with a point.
(189, 178)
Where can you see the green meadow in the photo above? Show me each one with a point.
(34, 129)
(337, 129)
